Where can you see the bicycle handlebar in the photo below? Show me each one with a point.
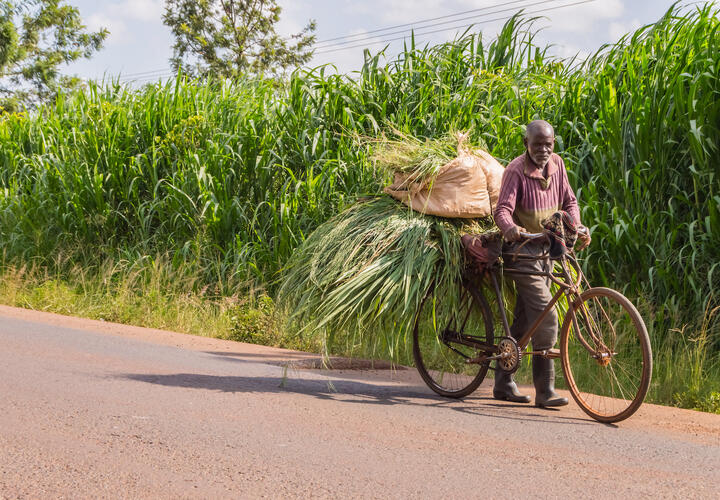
(532, 236)
(536, 236)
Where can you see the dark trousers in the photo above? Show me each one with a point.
(533, 295)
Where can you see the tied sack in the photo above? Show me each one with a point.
(493, 174)
(460, 188)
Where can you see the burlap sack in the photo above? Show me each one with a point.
(459, 190)
(493, 174)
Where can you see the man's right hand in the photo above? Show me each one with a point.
(513, 234)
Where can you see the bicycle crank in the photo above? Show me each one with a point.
(508, 355)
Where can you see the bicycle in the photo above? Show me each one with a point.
(604, 345)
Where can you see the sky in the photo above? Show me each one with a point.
(140, 45)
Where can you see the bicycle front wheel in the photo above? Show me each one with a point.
(606, 355)
(447, 333)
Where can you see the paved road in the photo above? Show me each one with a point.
(92, 409)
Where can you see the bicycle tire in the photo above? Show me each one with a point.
(443, 369)
(608, 367)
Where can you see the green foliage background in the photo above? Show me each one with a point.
(229, 37)
(36, 38)
(224, 181)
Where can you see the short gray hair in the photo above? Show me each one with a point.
(536, 126)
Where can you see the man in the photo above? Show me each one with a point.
(534, 186)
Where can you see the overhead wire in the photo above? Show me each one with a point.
(145, 76)
(422, 21)
(149, 79)
(145, 73)
(527, 3)
(485, 21)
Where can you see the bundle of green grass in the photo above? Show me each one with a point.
(363, 274)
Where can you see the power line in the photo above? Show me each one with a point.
(159, 74)
(422, 21)
(448, 28)
(151, 78)
(167, 72)
(532, 4)
(145, 73)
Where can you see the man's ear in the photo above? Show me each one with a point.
(525, 142)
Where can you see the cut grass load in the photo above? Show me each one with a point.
(419, 159)
(365, 272)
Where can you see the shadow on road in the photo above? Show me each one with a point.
(303, 360)
(353, 392)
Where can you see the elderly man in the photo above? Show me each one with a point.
(534, 186)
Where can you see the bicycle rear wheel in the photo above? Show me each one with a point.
(440, 357)
(606, 355)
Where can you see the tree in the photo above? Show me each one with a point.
(231, 36)
(36, 38)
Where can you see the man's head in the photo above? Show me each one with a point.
(539, 141)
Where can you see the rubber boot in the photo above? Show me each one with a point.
(544, 380)
(506, 390)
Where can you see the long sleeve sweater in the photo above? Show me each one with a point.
(526, 197)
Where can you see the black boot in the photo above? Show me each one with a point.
(544, 380)
(506, 390)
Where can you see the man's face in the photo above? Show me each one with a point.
(540, 145)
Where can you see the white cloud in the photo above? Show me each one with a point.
(94, 22)
(617, 29)
(408, 11)
(117, 27)
(141, 10)
(569, 51)
(118, 17)
(583, 18)
(293, 17)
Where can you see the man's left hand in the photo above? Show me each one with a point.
(584, 239)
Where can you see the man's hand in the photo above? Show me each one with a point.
(584, 238)
(513, 234)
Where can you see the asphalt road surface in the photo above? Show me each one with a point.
(98, 410)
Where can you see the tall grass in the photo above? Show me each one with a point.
(213, 174)
(226, 179)
(648, 162)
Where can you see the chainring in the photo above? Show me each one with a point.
(508, 348)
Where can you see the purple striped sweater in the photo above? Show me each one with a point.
(526, 197)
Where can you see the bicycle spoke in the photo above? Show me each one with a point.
(618, 384)
(608, 381)
(596, 328)
(444, 335)
(628, 375)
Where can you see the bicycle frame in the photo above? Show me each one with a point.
(598, 320)
(566, 286)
